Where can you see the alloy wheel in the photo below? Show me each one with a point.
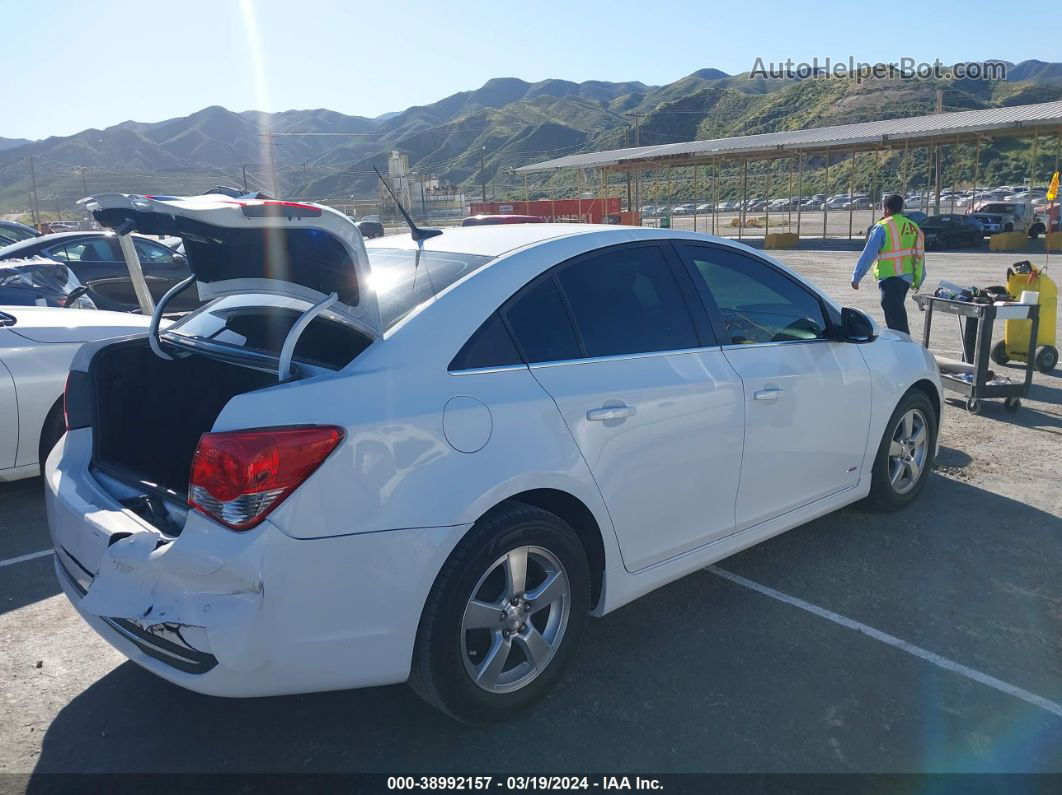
(515, 618)
(908, 451)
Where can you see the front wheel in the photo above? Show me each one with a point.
(905, 454)
(504, 616)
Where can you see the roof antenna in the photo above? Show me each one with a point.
(417, 233)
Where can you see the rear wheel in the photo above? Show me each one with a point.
(905, 454)
(504, 616)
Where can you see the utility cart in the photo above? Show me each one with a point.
(977, 344)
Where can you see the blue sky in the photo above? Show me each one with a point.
(72, 65)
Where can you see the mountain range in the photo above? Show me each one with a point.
(507, 122)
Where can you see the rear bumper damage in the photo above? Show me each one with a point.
(239, 614)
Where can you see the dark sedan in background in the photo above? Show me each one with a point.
(95, 258)
(952, 231)
(14, 232)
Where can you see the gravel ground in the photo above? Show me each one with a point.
(703, 675)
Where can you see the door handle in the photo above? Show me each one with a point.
(774, 393)
(610, 413)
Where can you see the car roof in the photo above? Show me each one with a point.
(494, 241)
(490, 240)
(17, 225)
(43, 241)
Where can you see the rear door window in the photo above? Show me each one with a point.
(627, 301)
(100, 249)
(541, 324)
(490, 346)
(152, 253)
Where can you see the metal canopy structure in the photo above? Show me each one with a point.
(939, 128)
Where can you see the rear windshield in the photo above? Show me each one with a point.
(404, 279)
(997, 208)
(259, 323)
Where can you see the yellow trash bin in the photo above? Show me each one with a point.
(1015, 342)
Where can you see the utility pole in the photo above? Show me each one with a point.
(245, 178)
(482, 174)
(58, 214)
(35, 204)
(271, 143)
(638, 176)
(936, 154)
(84, 182)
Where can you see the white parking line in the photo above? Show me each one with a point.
(941, 662)
(24, 558)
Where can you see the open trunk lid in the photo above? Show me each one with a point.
(246, 245)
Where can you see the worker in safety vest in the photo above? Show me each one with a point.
(896, 248)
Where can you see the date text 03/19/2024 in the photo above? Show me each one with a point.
(522, 783)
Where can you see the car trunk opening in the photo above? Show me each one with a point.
(149, 413)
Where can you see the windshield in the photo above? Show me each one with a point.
(405, 279)
(997, 208)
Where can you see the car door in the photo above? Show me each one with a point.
(97, 262)
(807, 396)
(619, 342)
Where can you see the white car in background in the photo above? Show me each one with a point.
(430, 459)
(36, 347)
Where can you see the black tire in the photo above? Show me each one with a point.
(439, 672)
(1046, 358)
(999, 353)
(883, 495)
(51, 432)
(1036, 230)
(1012, 404)
(1008, 228)
(973, 406)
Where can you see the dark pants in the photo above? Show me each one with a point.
(893, 295)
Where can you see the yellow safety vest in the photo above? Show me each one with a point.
(904, 250)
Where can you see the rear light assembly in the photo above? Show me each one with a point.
(77, 397)
(272, 208)
(238, 477)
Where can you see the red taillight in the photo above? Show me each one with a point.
(238, 477)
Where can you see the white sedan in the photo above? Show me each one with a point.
(431, 459)
(36, 347)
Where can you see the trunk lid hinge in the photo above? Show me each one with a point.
(284, 372)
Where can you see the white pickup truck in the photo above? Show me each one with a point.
(1010, 216)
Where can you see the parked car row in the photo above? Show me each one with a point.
(96, 260)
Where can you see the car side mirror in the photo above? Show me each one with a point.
(857, 326)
